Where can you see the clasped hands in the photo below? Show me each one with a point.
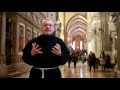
(36, 50)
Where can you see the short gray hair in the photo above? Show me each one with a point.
(47, 19)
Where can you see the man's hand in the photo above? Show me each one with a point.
(35, 50)
(57, 50)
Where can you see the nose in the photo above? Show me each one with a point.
(48, 26)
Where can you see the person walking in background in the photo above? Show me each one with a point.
(69, 61)
(79, 56)
(102, 60)
(83, 58)
(92, 60)
(74, 59)
(108, 61)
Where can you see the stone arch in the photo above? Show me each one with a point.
(76, 26)
(76, 23)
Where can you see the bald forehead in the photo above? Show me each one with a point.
(47, 19)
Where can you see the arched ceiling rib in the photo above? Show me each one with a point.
(77, 23)
(79, 30)
(81, 34)
(77, 26)
(76, 18)
(77, 35)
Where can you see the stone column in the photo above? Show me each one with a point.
(0, 34)
(102, 30)
(3, 38)
(3, 68)
(62, 33)
(113, 47)
(118, 46)
(113, 60)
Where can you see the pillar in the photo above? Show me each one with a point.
(3, 38)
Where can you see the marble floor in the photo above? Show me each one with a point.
(81, 71)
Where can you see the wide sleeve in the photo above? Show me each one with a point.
(27, 58)
(65, 54)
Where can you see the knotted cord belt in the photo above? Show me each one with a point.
(42, 69)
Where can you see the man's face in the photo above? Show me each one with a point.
(48, 27)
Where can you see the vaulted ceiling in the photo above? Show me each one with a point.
(77, 26)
